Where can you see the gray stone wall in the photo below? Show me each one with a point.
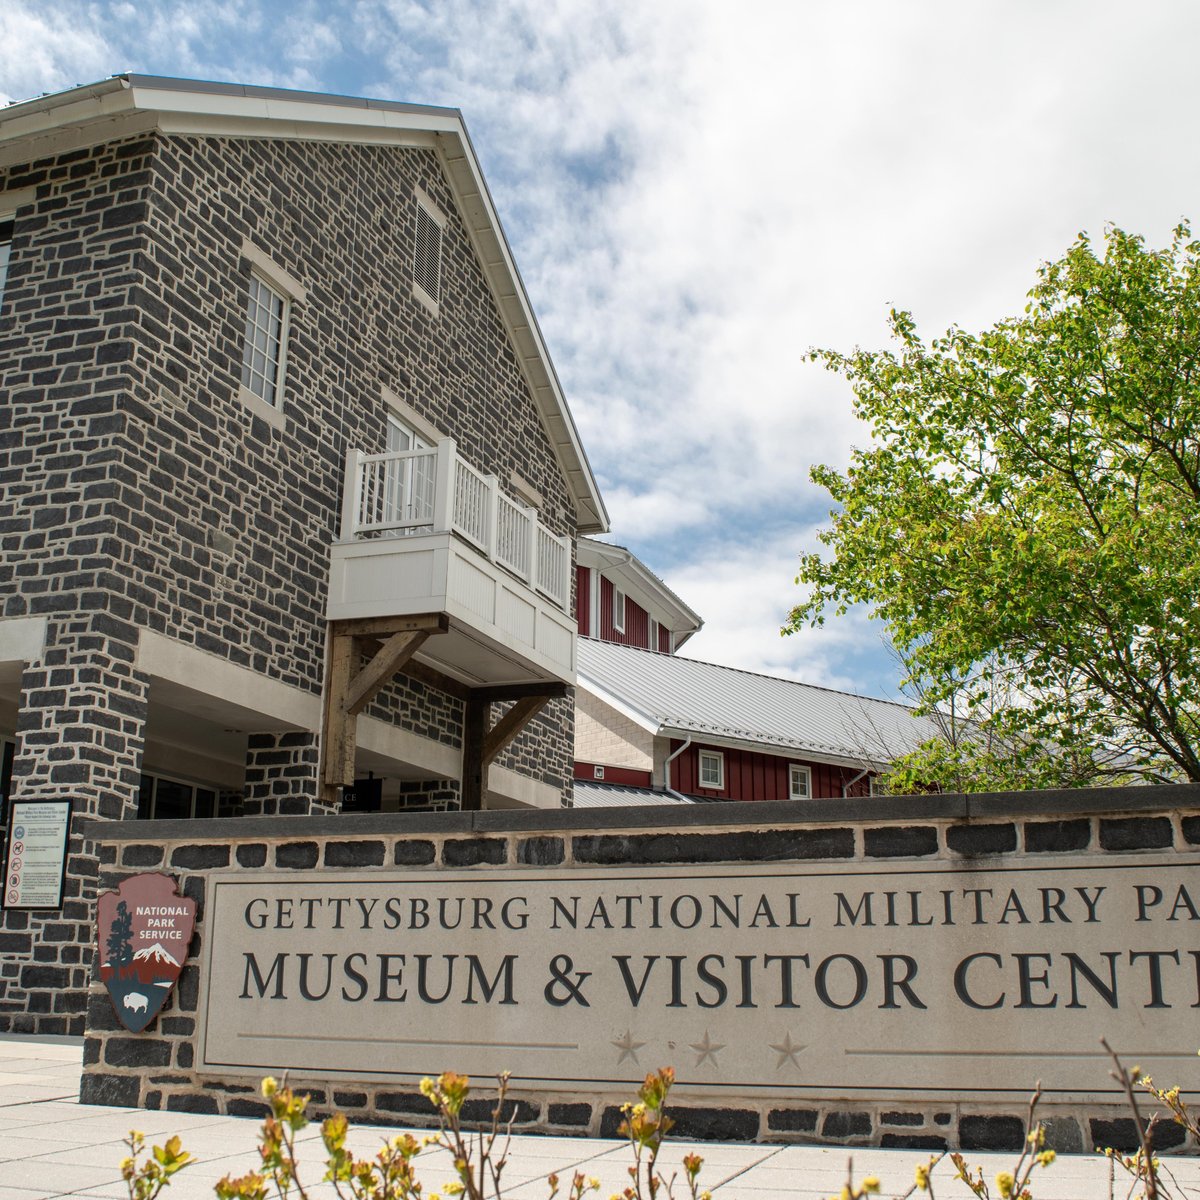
(138, 492)
(155, 1069)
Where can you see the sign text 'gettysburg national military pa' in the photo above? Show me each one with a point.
(777, 980)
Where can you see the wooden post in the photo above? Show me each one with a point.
(475, 717)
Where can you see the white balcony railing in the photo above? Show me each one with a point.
(408, 492)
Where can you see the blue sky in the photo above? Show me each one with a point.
(697, 192)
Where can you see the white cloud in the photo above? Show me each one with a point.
(697, 192)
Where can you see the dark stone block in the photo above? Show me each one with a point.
(516, 1112)
(404, 1102)
(187, 990)
(1191, 830)
(772, 845)
(541, 851)
(912, 1141)
(991, 1133)
(177, 1026)
(142, 855)
(350, 1099)
(902, 1118)
(1057, 837)
(247, 1108)
(252, 855)
(414, 854)
(189, 1103)
(976, 841)
(846, 1125)
(715, 1124)
(792, 1120)
(91, 1051)
(470, 852)
(1118, 1134)
(101, 1017)
(1063, 1135)
(943, 1118)
(1135, 833)
(894, 841)
(354, 854)
(298, 856)
(200, 858)
(122, 1091)
(184, 1055)
(56, 978)
(570, 1114)
(137, 1052)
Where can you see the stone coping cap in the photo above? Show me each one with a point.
(987, 806)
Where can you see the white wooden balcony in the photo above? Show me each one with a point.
(424, 532)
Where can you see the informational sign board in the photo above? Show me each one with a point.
(35, 856)
(922, 980)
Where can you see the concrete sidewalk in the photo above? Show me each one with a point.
(51, 1146)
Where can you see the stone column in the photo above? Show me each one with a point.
(283, 775)
(80, 733)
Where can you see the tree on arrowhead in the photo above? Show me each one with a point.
(1027, 523)
(120, 940)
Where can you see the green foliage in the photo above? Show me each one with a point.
(1027, 521)
(146, 1178)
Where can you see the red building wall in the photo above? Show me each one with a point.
(637, 619)
(583, 601)
(628, 776)
(753, 776)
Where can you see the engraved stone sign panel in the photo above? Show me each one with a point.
(781, 981)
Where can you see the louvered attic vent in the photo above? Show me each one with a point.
(427, 260)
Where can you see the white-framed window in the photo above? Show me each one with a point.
(618, 610)
(875, 786)
(408, 482)
(6, 239)
(652, 634)
(164, 799)
(799, 782)
(427, 252)
(272, 294)
(712, 769)
(264, 354)
(597, 772)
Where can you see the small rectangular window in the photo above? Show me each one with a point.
(712, 769)
(618, 610)
(266, 342)
(800, 782)
(652, 634)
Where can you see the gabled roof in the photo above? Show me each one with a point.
(126, 105)
(674, 696)
(636, 579)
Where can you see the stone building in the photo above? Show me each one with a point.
(290, 488)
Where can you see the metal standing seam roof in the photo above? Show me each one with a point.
(670, 693)
(596, 794)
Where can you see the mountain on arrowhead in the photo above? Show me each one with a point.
(156, 952)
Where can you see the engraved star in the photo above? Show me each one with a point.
(707, 1049)
(787, 1049)
(628, 1047)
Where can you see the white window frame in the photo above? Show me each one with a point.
(652, 634)
(10, 203)
(713, 756)
(618, 610)
(289, 291)
(426, 205)
(796, 772)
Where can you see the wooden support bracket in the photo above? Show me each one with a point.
(509, 725)
(348, 692)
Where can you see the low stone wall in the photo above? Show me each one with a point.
(156, 1069)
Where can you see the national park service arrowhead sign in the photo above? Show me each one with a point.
(142, 935)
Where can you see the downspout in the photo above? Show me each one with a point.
(666, 781)
(848, 785)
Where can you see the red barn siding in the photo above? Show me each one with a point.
(753, 776)
(664, 640)
(637, 620)
(583, 600)
(627, 776)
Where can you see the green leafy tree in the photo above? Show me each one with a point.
(1027, 523)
